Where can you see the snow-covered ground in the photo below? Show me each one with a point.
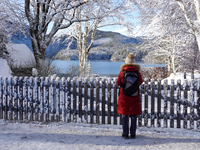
(80, 136)
(4, 69)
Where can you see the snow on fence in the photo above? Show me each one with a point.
(174, 105)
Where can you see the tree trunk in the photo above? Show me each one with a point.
(39, 54)
(197, 35)
(173, 56)
(168, 66)
(82, 61)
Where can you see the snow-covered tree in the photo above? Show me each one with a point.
(191, 12)
(41, 14)
(44, 19)
(3, 37)
(7, 28)
(105, 13)
(167, 28)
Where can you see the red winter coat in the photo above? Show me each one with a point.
(128, 105)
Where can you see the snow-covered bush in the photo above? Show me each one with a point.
(154, 73)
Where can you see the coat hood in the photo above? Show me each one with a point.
(122, 67)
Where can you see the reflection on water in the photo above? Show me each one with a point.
(103, 67)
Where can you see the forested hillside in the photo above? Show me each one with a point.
(107, 45)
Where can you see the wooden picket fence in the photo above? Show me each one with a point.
(95, 101)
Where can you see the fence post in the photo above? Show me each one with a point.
(198, 105)
(68, 99)
(159, 103)
(172, 104)
(145, 102)
(115, 100)
(152, 102)
(74, 101)
(185, 103)
(192, 85)
(109, 102)
(86, 100)
(92, 100)
(165, 103)
(103, 101)
(178, 103)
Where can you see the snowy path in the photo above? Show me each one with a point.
(53, 136)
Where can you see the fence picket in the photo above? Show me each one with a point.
(10, 100)
(92, 100)
(185, 103)
(140, 116)
(63, 99)
(80, 95)
(58, 88)
(6, 97)
(145, 102)
(16, 85)
(36, 95)
(41, 112)
(25, 100)
(159, 103)
(86, 100)
(178, 104)
(1, 97)
(51, 99)
(31, 98)
(109, 101)
(97, 101)
(115, 101)
(152, 102)
(198, 105)
(165, 94)
(46, 99)
(74, 101)
(21, 84)
(103, 101)
(68, 99)
(192, 85)
(172, 104)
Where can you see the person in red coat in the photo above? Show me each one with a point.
(127, 105)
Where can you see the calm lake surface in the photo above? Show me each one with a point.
(102, 67)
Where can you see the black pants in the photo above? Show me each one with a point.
(125, 124)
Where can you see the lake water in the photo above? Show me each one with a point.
(103, 68)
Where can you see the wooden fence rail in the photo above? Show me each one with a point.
(174, 105)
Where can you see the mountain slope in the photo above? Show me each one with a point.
(105, 44)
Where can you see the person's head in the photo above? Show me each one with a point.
(130, 58)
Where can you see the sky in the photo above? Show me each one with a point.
(118, 29)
